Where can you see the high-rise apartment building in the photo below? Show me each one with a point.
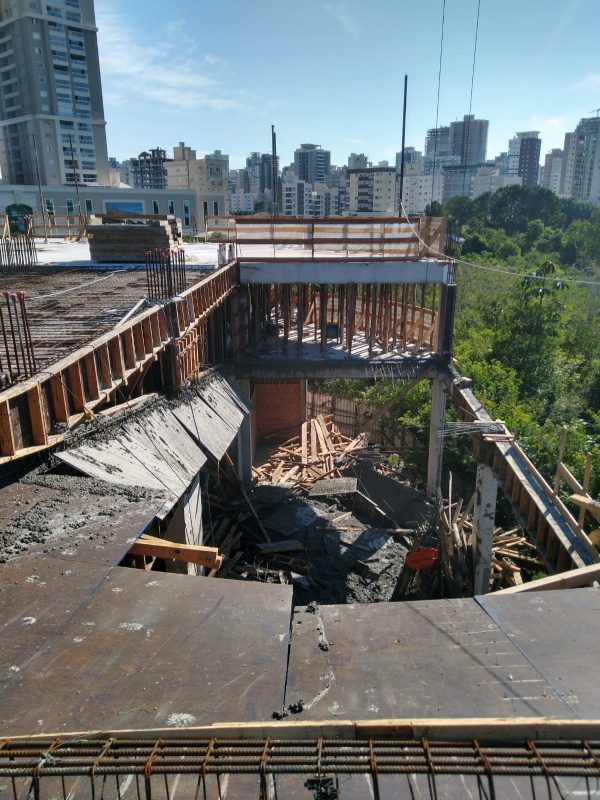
(413, 161)
(372, 191)
(51, 93)
(524, 156)
(552, 169)
(312, 163)
(358, 161)
(580, 175)
(468, 140)
(437, 142)
(148, 170)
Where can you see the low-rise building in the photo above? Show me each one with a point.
(189, 205)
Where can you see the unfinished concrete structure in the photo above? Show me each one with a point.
(131, 649)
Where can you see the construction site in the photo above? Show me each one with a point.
(219, 581)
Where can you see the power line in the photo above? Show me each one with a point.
(486, 267)
(471, 94)
(437, 111)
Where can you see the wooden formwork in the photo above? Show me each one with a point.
(551, 526)
(72, 388)
(388, 316)
(398, 238)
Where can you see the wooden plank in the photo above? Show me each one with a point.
(459, 729)
(162, 548)
(36, 413)
(76, 387)
(305, 442)
(7, 438)
(587, 502)
(59, 398)
(565, 580)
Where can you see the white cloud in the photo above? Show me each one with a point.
(591, 81)
(552, 129)
(341, 15)
(170, 72)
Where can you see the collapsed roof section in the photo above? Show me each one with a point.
(164, 446)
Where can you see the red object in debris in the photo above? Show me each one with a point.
(421, 558)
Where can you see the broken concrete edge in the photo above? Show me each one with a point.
(448, 729)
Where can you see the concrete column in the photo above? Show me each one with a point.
(244, 437)
(484, 520)
(436, 440)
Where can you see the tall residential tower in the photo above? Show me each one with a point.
(50, 93)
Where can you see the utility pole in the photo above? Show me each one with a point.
(275, 172)
(403, 143)
(75, 171)
(39, 181)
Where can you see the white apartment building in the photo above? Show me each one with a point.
(372, 190)
(489, 178)
(580, 175)
(552, 169)
(241, 202)
(420, 190)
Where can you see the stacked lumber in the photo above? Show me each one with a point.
(129, 241)
(511, 551)
(445, 548)
(321, 451)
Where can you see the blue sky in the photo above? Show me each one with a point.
(217, 74)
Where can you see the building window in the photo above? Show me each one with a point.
(216, 208)
(155, 207)
(171, 206)
(70, 208)
(186, 213)
(89, 209)
(49, 206)
(36, 35)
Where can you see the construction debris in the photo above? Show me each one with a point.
(321, 451)
(441, 562)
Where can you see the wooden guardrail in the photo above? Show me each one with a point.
(404, 239)
(69, 390)
(541, 512)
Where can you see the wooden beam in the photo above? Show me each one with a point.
(587, 502)
(174, 551)
(484, 729)
(573, 579)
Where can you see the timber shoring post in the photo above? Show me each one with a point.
(323, 317)
(373, 320)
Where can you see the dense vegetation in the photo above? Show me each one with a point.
(530, 342)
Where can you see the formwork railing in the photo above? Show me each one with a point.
(182, 328)
(539, 509)
(58, 226)
(343, 238)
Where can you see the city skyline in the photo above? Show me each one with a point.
(224, 91)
